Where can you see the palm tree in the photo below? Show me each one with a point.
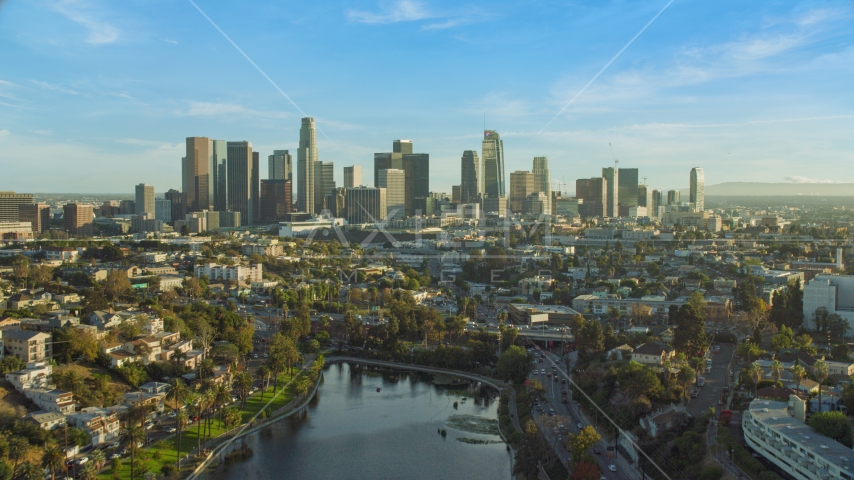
(181, 421)
(820, 371)
(53, 460)
(263, 374)
(699, 365)
(18, 448)
(131, 436)
(243, 381)
(206, 368)
(777, 370)
(798, 373)
(177, 392)
(30, 471)
(98, 459)
(89, 472)
(755, 372)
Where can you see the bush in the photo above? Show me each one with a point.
(168, 470)
(711, 473)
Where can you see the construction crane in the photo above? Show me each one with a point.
(616, 162)
(644, 180)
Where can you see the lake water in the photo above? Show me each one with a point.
(351, 431)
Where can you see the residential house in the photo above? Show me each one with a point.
(664, 419)
(46, 420)
(653, 353)
(101, 424)
(104, 319)
(52, 400)
(27, 345)
(35, 375)
(155, 400)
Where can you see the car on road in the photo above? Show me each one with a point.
(115, 456)
(172, 430)
(543, 371)
(579, 425)
(563, 400)
(82, 460)
(597, 451)
(612, 467)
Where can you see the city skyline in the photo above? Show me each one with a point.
(732, 77)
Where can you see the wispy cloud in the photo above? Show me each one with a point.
(797, 179)
(146, 143)
(214, 109)
(169, 40)
(42, 132)
(413, 11)
(122, 95)
(81, 12)
(54, 88)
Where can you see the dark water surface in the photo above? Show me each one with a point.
(351, 431)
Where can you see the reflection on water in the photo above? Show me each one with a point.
(351, 431)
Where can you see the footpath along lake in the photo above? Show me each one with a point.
(351, 431)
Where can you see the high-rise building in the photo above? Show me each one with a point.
(78, 219)
(593, 192)
(9, 202)
(456, 193)
(385, 161)
(492, 153)
(495, 205)
(394, 183)
(338, 203)
(402, 146)
(612, 202)
(365, 204)
(178, 200)
(470, 177)
(127, 207)
(240, 174)
(698, 189)
(536, 204)
(324, 183)
(627, 186)
(674, 197)
(280, 165)
(275, 199)
(416, 168)
(196, 177)
(352, 176)
(163, 210)
(144, 202)
(219, 175)
(543, 179)
(657, 203)
(38, 214)
(255, 188)
(306, 157)
(522, 184)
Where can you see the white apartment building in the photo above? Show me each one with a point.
(776, 430)
(599, 305)
(35, 375)
(236, 273)
(833, 292)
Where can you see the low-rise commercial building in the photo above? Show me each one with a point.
(235, 273)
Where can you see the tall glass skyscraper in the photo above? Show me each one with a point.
(698, 189)
(240, 176)
(306, 158)
(612, 178)
(492, 153)
(469, 177)
(543, 179)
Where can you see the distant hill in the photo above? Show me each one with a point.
(758, 189)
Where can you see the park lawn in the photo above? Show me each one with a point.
(189, 437)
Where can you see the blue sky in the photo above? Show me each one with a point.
(96, 96)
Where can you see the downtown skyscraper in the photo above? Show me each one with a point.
(698, 189)
(469, 177)
(492, 161)
(144, 203)
(543, 179)
(241, 194)
(306, 158)
(280, 165)
(612, 179)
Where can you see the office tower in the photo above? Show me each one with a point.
(521, 185)
(594, 195)
(9, 202)
(324, 182)
(196, 177)
(306, 157)
(627, 190)
(537, 203)
(338, 204)
(495, 205)
(144, 199)
(674, 197)
(385, 161)
(78, 219)
(492, 152)
(656, 203)
(416, 167)
(352, 176)
(127, 207)
(240, 174)
(469, 177)
(366, 204)
(402, 146)
(280, 166)
(109, 208)
(229, 219)
(456, 193)
(543, 179)
(255, 190)
(698, 189)
(424, 206)
(38, 214)
(219, 175)
(567, 206)
(163, 210)
(394, 183)
(612, 201)
(178, 201)
(275, 199)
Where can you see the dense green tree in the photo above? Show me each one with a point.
(513, 364)
(834, 425)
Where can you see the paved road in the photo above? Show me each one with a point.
(716, 379)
